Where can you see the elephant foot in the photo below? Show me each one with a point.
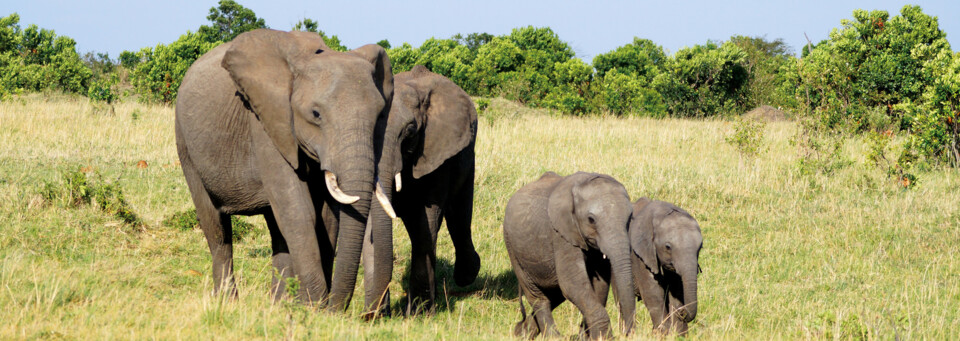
(526, 328)
(419, 306)
(466, 269)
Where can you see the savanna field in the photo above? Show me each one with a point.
(787, 255)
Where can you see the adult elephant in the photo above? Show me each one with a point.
(427, 159)
(276, 123)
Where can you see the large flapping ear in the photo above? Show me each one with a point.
(258, 62)
(383, 73)
(641, 234)
(449, 119)
(561, 208)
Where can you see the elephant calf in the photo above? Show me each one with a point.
(567, 238)
(666, 244)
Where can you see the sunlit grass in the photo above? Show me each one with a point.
(785, 255)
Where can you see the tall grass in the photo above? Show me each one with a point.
(785, 256)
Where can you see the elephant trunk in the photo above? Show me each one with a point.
(621, 273)
(689, 278)
(382, 234)
(356, 179)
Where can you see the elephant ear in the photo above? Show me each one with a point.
(641, 234)
(383, 72)
(259, 63)
(449, 119)
(561, 208)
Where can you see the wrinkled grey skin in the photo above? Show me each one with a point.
(258, 122)
(666, 242)
(558, 231)
(429, 140)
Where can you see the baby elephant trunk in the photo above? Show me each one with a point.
(622, 280)
(689, 309)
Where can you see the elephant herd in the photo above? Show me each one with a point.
(330, 146)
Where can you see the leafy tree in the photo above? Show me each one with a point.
(308, 25)
(763, 62)
(158, 77)
(704, 80)
(384, 43)
(129, 59)
(642, 59)
(228, 19)
(403, 58)
(34, 59)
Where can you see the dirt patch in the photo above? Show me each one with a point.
(768, 114)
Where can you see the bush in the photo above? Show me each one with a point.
(75, 189)
(747, 137)
(157, 78)
(187, 220)
(704, 80)
(35, 59)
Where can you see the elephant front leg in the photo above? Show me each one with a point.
(599, 273)
(577, 287)
(654, 298)
(423, 259)
(282, 262)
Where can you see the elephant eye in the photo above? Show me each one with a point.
(667, 246)
(316, 114)
(591, 220)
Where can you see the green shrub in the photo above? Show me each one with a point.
(187, 220)
(35, 59)
(747, 137)
(75, 189)
(157, 78)
(704, 80)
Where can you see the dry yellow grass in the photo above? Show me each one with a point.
(785, 256)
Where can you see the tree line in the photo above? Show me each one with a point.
(875, 74)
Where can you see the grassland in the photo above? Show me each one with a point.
(786, 256)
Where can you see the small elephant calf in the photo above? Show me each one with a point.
(666, 245)
(567, 239)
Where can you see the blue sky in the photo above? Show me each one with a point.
(590, 27)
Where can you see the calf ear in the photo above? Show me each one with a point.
(259, 62)
(561, 209)
(641, 234)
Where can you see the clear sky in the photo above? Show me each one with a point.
(590, 27)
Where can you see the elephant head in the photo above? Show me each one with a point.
(591, 212)
(666, 240)
(323, 104)
(431, 120)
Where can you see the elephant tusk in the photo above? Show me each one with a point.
(382, 198)
(335, 191)
(396, 181)
(604, 256)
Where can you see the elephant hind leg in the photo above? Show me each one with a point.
(459, 216)
(282, 262)
(217, 229)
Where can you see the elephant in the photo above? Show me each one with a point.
(567, 239)
(427, 159)
(277, 124)
(666, 243)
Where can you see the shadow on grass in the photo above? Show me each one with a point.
(502, 285)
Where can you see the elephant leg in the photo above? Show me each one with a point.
(599, 270)
(423, 239)
(368, 278)
(674, 303)
(577, 287)
(653, 296)
(282, 262)
(216, 227)
(330, 217)
(459, 217)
